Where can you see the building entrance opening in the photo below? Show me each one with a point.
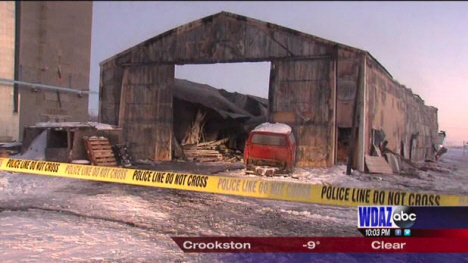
(215, 106)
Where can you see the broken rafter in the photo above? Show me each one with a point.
(195, 134)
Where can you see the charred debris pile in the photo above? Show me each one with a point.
(212, 124)
(385, 161)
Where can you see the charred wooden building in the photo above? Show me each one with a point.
(323, 89)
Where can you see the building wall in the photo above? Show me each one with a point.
(55, 46)
(400, 114)
(421, 119)
(110, 87)
(350, 71)
(313, 86)
(303, 97)
(302, 90)
(146, 112)
(8, 118)
(348, 78)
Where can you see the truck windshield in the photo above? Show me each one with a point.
(275, 140)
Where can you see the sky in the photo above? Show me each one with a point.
(424, 45)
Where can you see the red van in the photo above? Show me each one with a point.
(271, 144)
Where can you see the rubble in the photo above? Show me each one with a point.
(266, 171)
(195, 134)
(378, 165)
(402, 166)
(121, 155)
(395, 162)
(429, 166)
(11, 148)
(204, 114)
(212, 151)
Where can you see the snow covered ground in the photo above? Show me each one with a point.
(64, 220)
(48, 219)
(454, 183)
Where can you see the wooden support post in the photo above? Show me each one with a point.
(355, 128)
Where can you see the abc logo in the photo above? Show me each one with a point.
(404, 217)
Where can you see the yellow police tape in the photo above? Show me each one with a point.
(259, 188)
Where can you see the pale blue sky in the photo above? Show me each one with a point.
(424, 45)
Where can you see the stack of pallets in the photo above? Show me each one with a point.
(99, 151)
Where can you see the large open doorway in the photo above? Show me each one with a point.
(215, 106)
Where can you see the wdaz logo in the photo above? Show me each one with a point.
(386, 217)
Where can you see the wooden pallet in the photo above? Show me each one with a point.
(99, 151)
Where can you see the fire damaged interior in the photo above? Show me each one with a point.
(203, 113)
(333, 96)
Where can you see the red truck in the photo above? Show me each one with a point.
(271, 144)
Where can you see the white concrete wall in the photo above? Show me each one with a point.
(9, 121)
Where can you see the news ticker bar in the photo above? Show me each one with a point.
(321, 245)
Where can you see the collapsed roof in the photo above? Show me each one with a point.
(248, 109)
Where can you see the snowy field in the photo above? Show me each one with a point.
(48, 219)
(454, 183)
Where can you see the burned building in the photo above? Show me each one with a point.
(332, 95)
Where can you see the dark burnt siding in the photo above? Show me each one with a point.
(304, 99)
(421, 119)
(400, 114)
(313, 85)
(303, 66)
(350, 90)
(145, 111)
(109, 92)
(225, 38)
(348, 77)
